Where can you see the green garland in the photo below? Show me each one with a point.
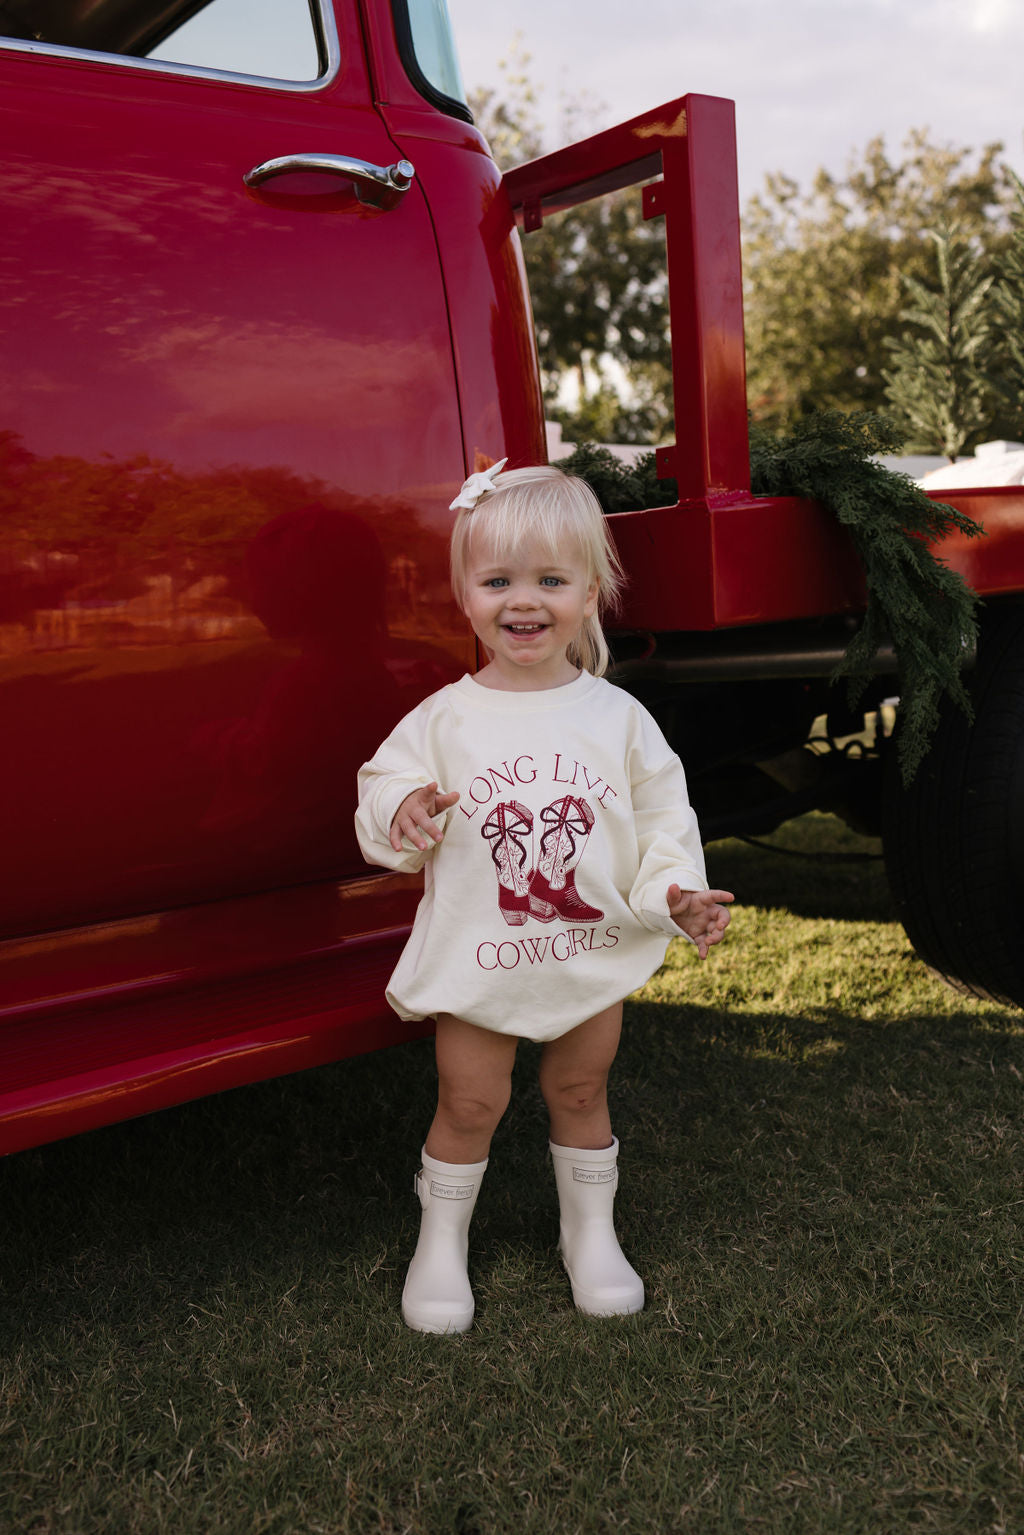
(914, 599)
(619, 487)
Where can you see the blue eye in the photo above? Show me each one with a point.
(496, 581)
(552, 581)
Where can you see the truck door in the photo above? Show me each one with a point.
(229, 434)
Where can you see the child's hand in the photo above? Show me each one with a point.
(700, 914)
(414, 817)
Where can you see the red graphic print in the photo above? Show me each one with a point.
(568, 822)
(549, 890)
(506, 829)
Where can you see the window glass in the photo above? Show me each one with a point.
(275, 38)
(434, 47)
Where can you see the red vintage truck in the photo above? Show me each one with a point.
(255, 331)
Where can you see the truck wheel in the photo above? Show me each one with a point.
(954, 841)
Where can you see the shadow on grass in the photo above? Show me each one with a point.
(200, 1327)
(311, 1175)
(314, 1172)
(813, 867)
(199, 1311)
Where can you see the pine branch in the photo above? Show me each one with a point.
(914, 599)
(618, 486)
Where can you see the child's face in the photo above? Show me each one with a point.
(525, 611)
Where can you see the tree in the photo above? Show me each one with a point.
(823, 286)
(937, 384)
(1008, 305)
(823, 270)
(506, 115)
(598, 282)
(599, 286)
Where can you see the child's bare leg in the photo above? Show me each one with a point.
(574, 1080)
(474, 1081)
(474, 1084)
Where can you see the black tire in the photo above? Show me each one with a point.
(954, 841)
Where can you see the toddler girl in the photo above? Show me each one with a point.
(560, 855)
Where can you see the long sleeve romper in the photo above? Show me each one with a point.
(546, 901)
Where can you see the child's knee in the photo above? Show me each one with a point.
(580, 1094)
(470, 1111)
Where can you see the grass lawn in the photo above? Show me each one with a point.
(822, 1185)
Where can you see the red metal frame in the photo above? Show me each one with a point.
(692, 144)
(720, 557)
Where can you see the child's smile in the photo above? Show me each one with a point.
(526, 610)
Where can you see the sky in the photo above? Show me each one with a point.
(813, 80)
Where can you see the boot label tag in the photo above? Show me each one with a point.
(591, 1175)
(451, 1190)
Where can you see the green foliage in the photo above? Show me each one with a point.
(823, 270)
(598, 416)
(914, 599)
(824, 274)
(600, 291)
(937, 385)
(1009, 307)
(823, 279)
(620, 487)
(597, 280)
(635, 411)
(506, 115)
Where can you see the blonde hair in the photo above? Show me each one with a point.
(542, 505)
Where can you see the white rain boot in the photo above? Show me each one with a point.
(437, 1296)
(603, 1283)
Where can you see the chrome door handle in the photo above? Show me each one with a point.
(381, 186)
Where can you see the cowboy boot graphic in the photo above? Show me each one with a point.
(506, 829)
(568, 822)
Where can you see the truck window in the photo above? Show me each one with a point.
(427, 47)
(267, 39)
(274, 38)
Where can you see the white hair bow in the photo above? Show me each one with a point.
(476, 486)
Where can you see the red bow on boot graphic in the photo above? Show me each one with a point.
(547, 890)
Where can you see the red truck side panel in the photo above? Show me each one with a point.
(229, 434)
(224, 560)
